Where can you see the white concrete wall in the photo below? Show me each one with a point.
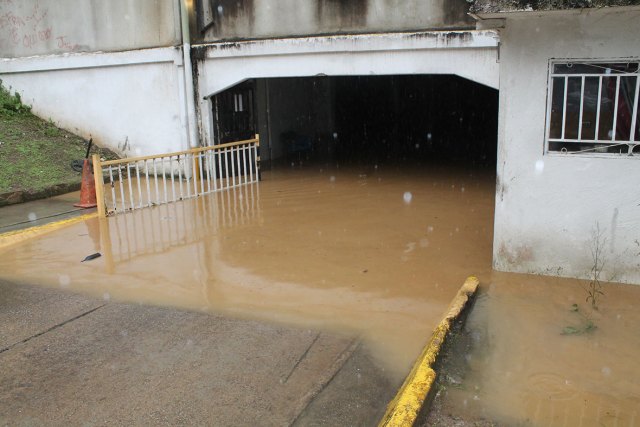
(39, 27)
(548, 205)
(131, 102)
(469, 54)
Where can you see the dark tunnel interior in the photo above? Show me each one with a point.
(364, 119)
(415, 118)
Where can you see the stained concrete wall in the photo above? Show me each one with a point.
(106, 69)
(131, 102)
(250, 19)
(548, 205)
(39, 27)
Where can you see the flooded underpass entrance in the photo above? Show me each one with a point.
(343, 238)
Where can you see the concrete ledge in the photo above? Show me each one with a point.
(13, 237)
(405, 407)
(15, 197)
(71, 61)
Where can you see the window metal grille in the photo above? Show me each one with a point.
(593, 107)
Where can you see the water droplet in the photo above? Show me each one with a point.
(332, 178)
(407, 197)
(64, 280)
(429, 136)
(106, 296)
(32, 216)
(220, 9)
(430, 229)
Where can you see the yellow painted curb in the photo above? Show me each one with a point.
(404, 408)
(13, 237)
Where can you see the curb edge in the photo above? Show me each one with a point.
(409, 401)
(12, 237)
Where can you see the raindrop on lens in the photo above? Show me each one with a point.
(32, 216)
(64, 280)
(407, 196)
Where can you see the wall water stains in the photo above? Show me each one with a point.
(248, 19)
(42, 27)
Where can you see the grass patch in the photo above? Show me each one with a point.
(34, 153)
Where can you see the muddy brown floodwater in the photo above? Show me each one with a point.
(525, 370)
(377, 252)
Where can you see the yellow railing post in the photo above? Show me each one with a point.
(258, 156)
(99, 181)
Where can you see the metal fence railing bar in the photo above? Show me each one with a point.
(134, 183)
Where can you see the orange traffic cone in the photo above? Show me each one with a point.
(88, 188)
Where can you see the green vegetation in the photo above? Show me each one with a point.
(584, 326)
(34, 153)
(593, 289)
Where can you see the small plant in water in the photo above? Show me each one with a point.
(594, 288)
(586, 323)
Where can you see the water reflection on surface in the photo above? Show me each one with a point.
(375, 252)
(340, 249)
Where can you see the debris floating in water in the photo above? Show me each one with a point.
(92, 256)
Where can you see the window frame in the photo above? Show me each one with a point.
(597, 144)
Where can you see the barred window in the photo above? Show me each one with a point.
(593, 108)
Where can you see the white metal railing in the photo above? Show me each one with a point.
(139, 182)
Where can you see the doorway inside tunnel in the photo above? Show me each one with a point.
(406, 119)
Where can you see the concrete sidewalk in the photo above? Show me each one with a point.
(39, 212)
(71, 360)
